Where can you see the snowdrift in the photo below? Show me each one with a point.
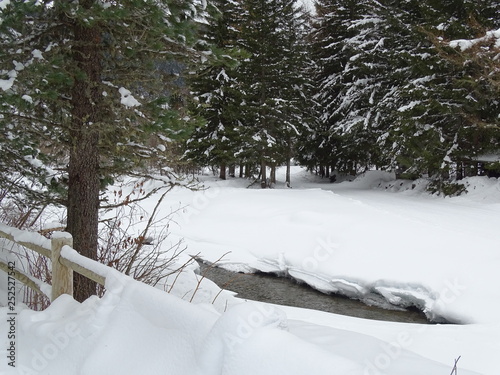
(376, 239)
(135, 329)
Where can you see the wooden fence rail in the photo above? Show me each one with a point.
(62, 266)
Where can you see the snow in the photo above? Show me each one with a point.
(465, 44)
(23, 236)
(127, 99)
(135, 329)
(409, 106)
(376, 238)
(28, 98)
(37, 54)
(6, 84)
(53, 225)
(62, 235)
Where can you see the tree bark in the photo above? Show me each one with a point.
(263, 174)
(273, 174)
(232, 170)
(222, 172)
(288, 167)
(83, 169)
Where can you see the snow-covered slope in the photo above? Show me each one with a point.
(374, 239)
(360, 239)
(137, 329)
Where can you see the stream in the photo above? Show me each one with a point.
(286, 291)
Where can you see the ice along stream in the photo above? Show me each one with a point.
(285, 291)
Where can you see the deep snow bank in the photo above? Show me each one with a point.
(358, 239)
(138, 329)
(410, 246)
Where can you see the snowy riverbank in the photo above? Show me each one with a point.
(370, 239)
(358, 238)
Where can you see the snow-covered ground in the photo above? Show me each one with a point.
(375, 239)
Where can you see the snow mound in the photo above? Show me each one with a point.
(371, 179)
(135, 329)
(482, 189)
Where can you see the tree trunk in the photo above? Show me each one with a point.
(287, 178)
(263, 174)
(322, 170)
(83, 170)
(232, 170)
(273, 174)
(222, 172)
(83, 206)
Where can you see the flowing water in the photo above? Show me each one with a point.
(285, 291)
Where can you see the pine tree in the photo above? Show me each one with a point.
(82, 89)
(441, 118)
(252, 95)
(477, 72)
(350, 49)
(273, 82)
(387, 95)
(294, 103)
(317, 145)
(217, 91)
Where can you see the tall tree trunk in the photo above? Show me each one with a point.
(83, 206)
(321, 170)
(232, 170)
(263, 174)
(222, 172)
(83, 170)
(288, 167)
(288, 160)
(273, 174)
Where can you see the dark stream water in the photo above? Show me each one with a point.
(285, 291)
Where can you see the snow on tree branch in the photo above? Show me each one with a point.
(465, 44)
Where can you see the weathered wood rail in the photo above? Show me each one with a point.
(65, 261)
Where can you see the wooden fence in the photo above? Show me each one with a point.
(62, 266)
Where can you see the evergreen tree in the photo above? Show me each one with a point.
(217, 91)
(441, 121)
(273, 81)
(387, 95)
(353, 58)
(296, 112)
(317, 145)
(81, 90)
(254, 107)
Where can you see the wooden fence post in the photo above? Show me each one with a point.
(62, 276)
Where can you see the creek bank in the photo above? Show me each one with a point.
(271, 288)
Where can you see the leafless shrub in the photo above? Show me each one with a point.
(454, 371)
(39, 267)
(149, 255)
(204, 275)
(15, 214)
